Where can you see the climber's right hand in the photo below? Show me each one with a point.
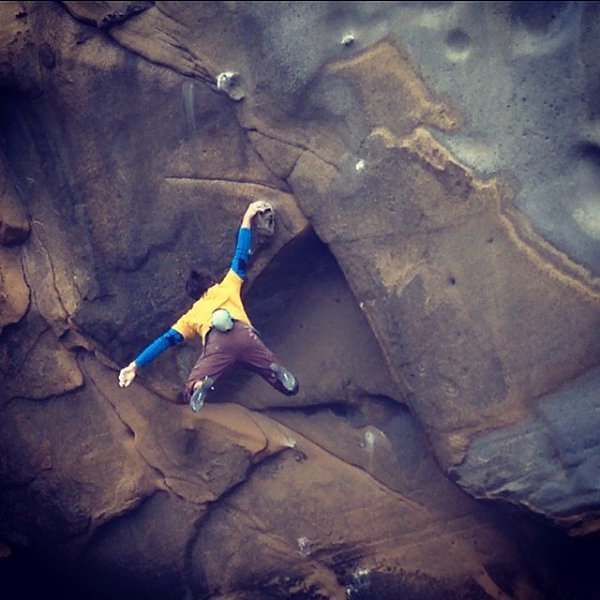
(127, 374)
(252, 210)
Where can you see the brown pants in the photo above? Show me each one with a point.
(241, 345)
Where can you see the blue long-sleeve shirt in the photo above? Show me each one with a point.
(172, 337)
(242, 252)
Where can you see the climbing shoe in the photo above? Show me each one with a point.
(199, 394)
(285, 378)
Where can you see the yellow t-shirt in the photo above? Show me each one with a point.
(226, 294)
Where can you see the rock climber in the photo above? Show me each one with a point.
(218, 316)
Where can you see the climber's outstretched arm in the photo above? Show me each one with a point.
(158, 346)
(244, 238)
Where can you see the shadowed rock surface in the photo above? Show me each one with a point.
(432, 280)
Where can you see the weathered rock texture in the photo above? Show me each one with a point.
(433, 281)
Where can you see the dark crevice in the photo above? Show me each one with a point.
(341, 409)
(268, 295)
(589, 152)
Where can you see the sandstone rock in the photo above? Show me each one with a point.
(432, 280)
(105, 14)
(14, 227)
(14, 293)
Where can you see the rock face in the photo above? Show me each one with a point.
(432, 280)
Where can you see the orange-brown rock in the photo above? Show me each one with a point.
(432, 281)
